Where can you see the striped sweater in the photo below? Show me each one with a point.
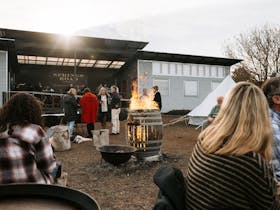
(229, 182)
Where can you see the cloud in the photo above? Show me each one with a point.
(192, 26)
(202, 30)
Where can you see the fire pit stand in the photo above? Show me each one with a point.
(144, 131)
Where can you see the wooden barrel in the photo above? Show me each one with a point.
(144, 131)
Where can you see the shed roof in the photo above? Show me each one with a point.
(56, 45)
(182, 58)
(55, 49)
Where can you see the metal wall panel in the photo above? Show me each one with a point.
(177, 99)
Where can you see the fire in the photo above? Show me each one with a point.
(141, 102)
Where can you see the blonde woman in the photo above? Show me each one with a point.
(104, 109)
(229, 167)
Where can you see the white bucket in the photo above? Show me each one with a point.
(100, 137)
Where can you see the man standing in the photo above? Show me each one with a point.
(115, 112)
(144, 95)
(157, 96)
(271, 89)
(70, 110)
(89, 106)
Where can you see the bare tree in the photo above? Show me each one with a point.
(259, 50)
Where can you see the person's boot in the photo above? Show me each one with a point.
(72, 138)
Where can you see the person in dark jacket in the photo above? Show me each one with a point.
(104, 101)
(70, 110)
(115, 112)
(157, 97)
(172, 189)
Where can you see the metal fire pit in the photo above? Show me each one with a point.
(116, 154)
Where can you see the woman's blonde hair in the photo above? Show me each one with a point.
(101, 89)
(72, 91)
(242, 125)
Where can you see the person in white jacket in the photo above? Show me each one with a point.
(116, 109)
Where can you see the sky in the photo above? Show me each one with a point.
(64, 16)
(200, 27)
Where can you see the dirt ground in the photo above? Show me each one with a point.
(127, 186)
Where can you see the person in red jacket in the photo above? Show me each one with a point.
(89, 106)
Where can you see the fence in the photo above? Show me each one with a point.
(52, 102)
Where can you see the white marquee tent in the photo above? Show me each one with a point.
(200, 113)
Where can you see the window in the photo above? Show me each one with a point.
(163, 86)
(191, 88)
(116, 64)
(220, 72)
(194, 70)
(102, 64)
(179, 68)
(52, 61)
(156, 68)
(41, 60)
(164, 68)
(213, 71)
(172, 69)
(70, 62)
(55, 61)
(186, 69)
(214, 85)
(207, 71)
(87, 63)
(201, 71)
(60, 61)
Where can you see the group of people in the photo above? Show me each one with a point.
(234, 165)
(156, 96)
(26, 154)
(104, 106)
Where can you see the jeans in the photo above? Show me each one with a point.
(90, 127)
(115, 120)
(71, 127)
(103, 119)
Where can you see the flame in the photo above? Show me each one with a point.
(141, 102)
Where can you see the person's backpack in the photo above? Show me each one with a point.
(172, 189)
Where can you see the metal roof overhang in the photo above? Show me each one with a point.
(170, 57)
(56, 45)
